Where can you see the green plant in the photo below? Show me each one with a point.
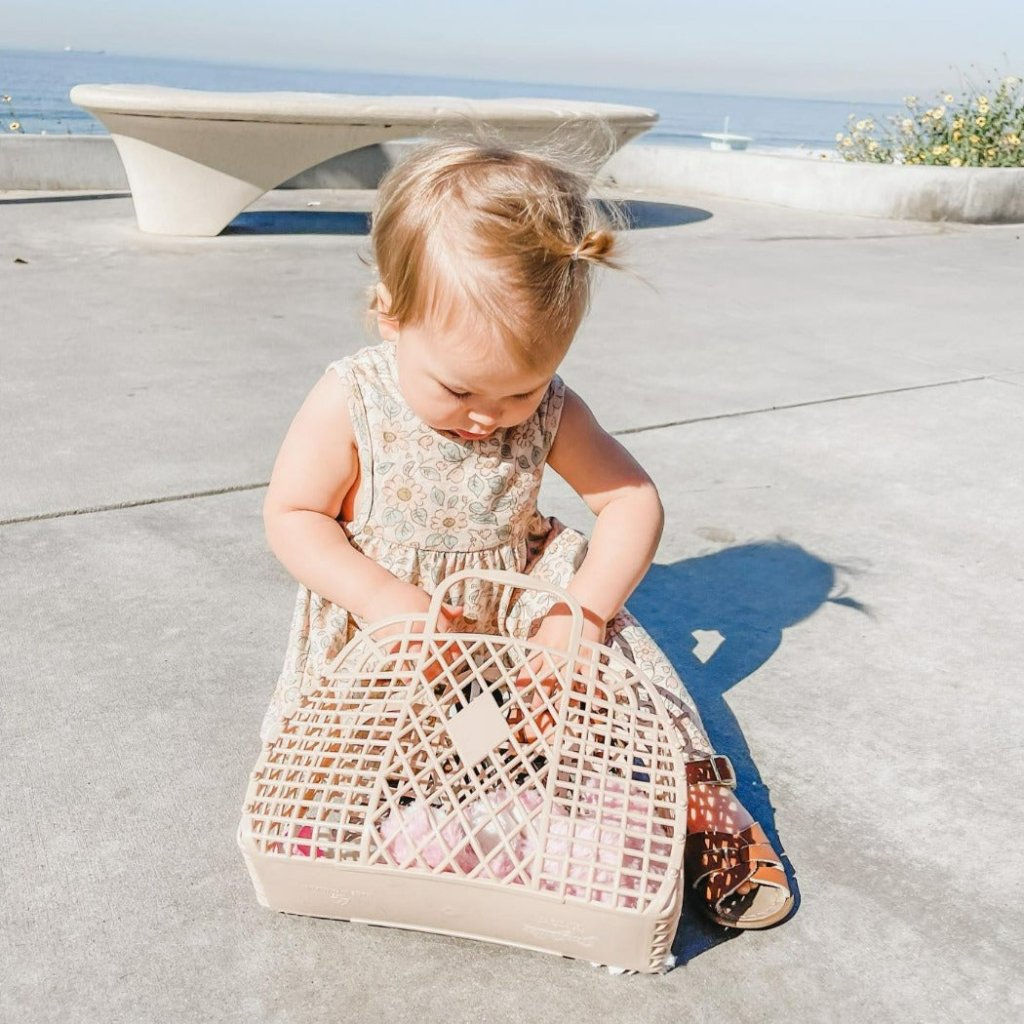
(985, 128)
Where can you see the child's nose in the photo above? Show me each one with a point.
(485, 417)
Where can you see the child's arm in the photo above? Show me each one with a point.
(315, 468)
(622, 543)
(629, 513)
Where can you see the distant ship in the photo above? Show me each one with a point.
(71, 49)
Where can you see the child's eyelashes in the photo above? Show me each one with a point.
(463, 395)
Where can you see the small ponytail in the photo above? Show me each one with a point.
(594, 246)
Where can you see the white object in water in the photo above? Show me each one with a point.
(723, 140)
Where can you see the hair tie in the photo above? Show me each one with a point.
(575, 254)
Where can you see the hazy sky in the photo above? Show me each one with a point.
(873, 49)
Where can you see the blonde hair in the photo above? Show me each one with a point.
(473, 230)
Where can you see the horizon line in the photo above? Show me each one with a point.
(263, 65)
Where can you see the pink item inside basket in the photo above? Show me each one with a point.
(602, 835)
(306, 832)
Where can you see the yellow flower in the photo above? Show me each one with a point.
(939, 150)
(975, 139)
(958, 122)
(872, 146)
(5, 98)
(847, 142)
(910, 100)
(839, 136)
(1010, 81)
(957, 136)
(981, 121)
(446, 519)
(907, 125)
(393, 440)
(1012, 140)
(948, 97)
(991, 151)
(399, 491)
(14, 126)
(955, 162)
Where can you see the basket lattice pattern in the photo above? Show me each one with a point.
(417, 752)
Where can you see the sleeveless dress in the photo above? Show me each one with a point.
(428, 506)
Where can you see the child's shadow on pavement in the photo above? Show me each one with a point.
(747, 594)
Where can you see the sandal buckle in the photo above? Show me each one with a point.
(718, 769)
(726, 777)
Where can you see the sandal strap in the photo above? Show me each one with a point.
(716, 769)
(766, 875)
(747, 860)
(722, 862)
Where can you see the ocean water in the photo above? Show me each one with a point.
(38, 84)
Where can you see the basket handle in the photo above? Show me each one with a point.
(512, 579)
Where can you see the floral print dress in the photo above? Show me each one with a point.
(428, 506)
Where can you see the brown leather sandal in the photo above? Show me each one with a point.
(719, 863)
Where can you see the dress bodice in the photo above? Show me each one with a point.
(427, 504)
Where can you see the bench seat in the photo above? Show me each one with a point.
(194, 159)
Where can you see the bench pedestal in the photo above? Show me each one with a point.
(194, 177)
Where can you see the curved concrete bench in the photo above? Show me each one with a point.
(194, 160)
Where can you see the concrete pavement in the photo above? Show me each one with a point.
(833, 408)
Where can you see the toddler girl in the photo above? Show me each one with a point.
(422, 454)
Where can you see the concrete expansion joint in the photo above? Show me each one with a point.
(118, 506)
(799, 405)
(852, 236)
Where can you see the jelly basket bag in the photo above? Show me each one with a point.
(406, 789)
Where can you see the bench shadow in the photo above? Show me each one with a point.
(640, 215)
(299, 222)
(748, 594)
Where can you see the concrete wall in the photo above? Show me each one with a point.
(976, 195)
(981, 195)
(60, 162)
(66, 162)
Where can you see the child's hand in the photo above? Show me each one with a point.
(408, 599)
(553, 632)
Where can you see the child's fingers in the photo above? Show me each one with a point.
(538, 720)
(537, 666)
(532, 727)
(445, 653)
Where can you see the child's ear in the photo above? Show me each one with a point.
(386, 325)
